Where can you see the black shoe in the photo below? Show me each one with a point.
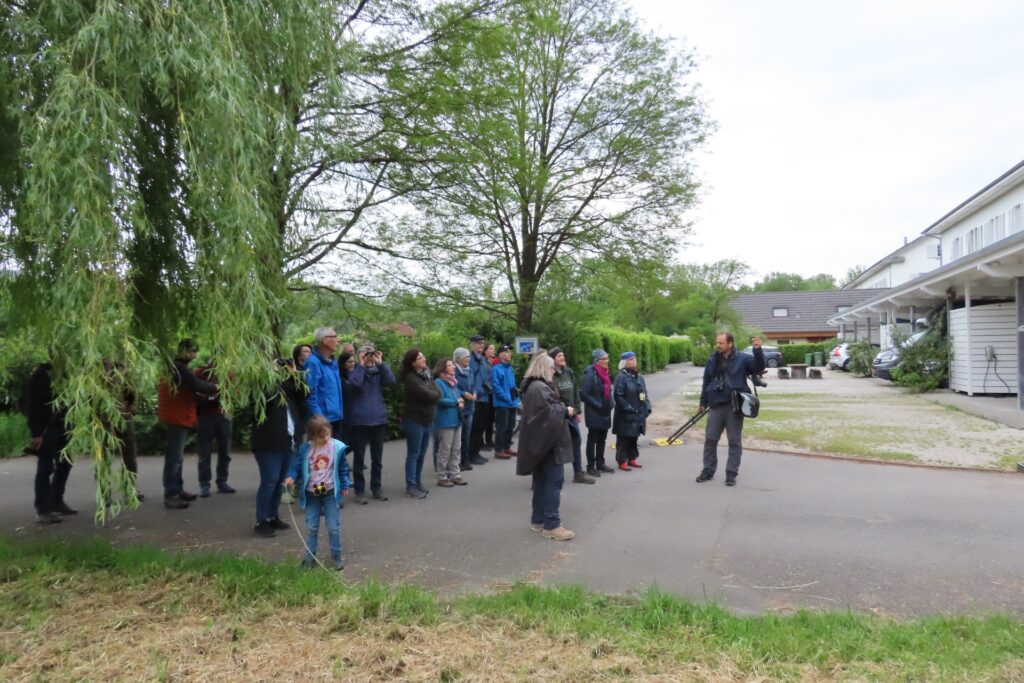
(204, 490)
(225, 488)
(605, 469)
(465, 467)
(265, 530)
(139, 495)
(360, 499)
(377, 495)
(478, 460)
(186, 496)
(65, 510)
(276, 523)
(175, 503)
(730, 478)
(705, 475)
(593, 472)
(339, 563)
(48, 518)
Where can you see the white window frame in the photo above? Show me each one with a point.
(784, 309)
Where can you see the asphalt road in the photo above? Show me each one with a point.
(795, 533)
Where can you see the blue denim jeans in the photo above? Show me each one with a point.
(173, 454)
(467, 427)
(504, 425)
(328, 507)
(417, 439)
(273, 471)
(547, 493)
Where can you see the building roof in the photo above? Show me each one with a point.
(807, 311)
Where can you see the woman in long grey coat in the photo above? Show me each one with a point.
(631, 410)
(544, 446)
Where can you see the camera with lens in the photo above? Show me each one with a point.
(285, 362)
(320, 489)
(757, 381)
(719, 383)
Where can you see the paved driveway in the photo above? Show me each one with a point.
(796, 532)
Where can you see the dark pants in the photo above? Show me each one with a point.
(363, 436)
(341, 432)
(722, 418)
(129, 448)
(467, 429)
(626, 448)
(273, 471)
(173, 455)
(504, 425)
(483, 418)
(548, 478)
(577, 442)
(417, 439)
(52, 471)
(208, 429)
(596, 439)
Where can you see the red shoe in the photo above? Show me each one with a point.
(512, 452)
(502, 455)
(624, 467)
(634, 463)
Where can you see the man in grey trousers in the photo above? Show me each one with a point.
(726, 371)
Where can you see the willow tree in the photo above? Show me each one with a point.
(567, 134)
(143, 204)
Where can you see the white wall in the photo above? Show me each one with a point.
(991, 325)
(916, 262)
(991, 222)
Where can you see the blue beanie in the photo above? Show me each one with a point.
(627, 355)
(598, 354)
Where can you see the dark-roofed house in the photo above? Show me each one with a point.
(798, 317)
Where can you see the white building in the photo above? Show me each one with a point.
(972, 262)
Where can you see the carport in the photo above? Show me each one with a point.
(983, 293)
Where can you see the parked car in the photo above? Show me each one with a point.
(772, 355)
(839, 356)
(885, 361)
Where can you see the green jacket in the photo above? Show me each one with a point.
(568, 389)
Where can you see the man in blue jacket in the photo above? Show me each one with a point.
(480, 377)
(727, 371)
(506, 402)
(369, 418)
(324, 380)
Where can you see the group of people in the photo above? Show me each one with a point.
(329, 404)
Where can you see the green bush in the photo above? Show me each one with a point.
(862, 355)
(679, 350)
(923, 366)
(700, 355)
(14, 434)
(794, 353)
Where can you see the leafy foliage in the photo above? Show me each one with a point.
(862, 356)
(924, 365)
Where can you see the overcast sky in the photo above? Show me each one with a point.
(845, 127)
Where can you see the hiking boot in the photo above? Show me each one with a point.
(308, 562)
(377, 495)
(604, 468)
(224, 487)
(175, 503)
(360, 499)
(459, 481)
(339, 563)
(421, 488)
(559, 534)
(413, 492)
(478, 460)
(204, 490)
(583, 478)
(705, 475)
(189, 497)
(730, 478)
(465, 466)
(63, 509)
(276, 523)
(265, 530)
(634, 464)
(48, 518)
(593, 472)
(445, 483)
(624, 467)
(536, 527)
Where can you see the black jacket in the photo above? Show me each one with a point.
(632, 406)
(544, 429)
(598, 411)
(271, 435)
(734, 371)
(421, 397)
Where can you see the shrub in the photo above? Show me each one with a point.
(923, 366)
(794, 353)
(701, 355)
(14, 434)
(679, 350)
(862, 355)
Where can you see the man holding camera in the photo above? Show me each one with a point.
(369, 418)
(726, 372)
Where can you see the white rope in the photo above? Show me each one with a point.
(295, 525)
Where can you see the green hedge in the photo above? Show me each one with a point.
(701, 354)
(14, 434)
(679, 350)
(794, 353)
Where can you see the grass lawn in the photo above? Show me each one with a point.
(88, 611)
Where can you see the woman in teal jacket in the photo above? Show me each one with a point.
(448, 426)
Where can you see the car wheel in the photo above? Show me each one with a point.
(772, 363)
(846, 366)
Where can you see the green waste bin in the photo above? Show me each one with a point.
(808, 359)
(819, 358)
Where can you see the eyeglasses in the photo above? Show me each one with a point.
(331, 336)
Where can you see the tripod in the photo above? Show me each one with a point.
(678, 434)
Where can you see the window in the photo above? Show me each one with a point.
(958, 247)
(842, 309)
(780, 312)
(1000, 223)
(1016, 219)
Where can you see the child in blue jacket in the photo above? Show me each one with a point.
(321, 469)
